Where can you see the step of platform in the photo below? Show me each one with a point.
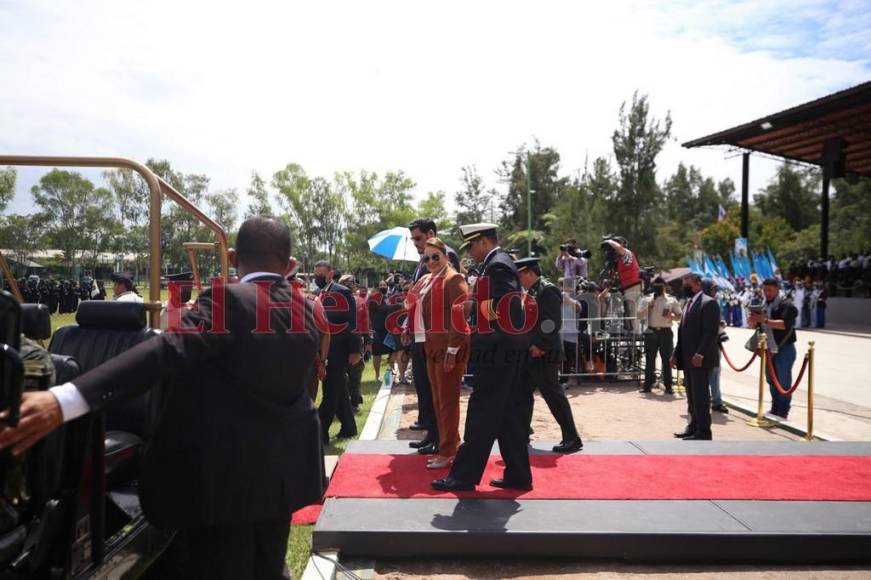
(628, 530)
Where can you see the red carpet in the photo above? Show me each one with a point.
(306, 516)
(623, 477)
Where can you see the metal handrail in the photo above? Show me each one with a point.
(156, 187)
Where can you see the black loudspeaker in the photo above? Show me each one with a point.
(834, 157)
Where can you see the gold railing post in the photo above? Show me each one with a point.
(759, 420)
(810, 390)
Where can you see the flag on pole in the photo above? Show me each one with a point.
(721, 213)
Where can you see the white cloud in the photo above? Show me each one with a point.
(227, 89)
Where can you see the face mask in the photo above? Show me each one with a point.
(657, 291)
(688, 290)
(383, 290)
(320, 281)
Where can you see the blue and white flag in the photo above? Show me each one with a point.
(721, 214)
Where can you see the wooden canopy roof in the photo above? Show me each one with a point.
(800, 132)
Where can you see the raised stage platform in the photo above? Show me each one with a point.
(379, 505)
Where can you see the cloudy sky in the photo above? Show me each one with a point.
(227, 88)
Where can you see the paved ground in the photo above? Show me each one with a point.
(603, 411)
(843, 368)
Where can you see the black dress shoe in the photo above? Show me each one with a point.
(645, 390)
(669, 391)
(346, 434)
(721, 409)
(430, 449)
(569, 446)
(698, 437)
(451, 484)
(419, 444)
(501, 483)
(417, 426)
(686, 433)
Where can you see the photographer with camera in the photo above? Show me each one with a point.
(572, 262)
(777, 318)
(620, 259)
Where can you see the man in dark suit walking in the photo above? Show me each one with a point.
(498, 403)
(696, 354)
(237, 448)
(340, 307)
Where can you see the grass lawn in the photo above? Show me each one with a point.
(299, 546)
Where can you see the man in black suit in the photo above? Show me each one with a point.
(498, 403)
(422, 229)
(340, 306)
(237, 448)
(541, 371)
(696, 354)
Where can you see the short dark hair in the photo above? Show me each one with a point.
(324, 264)
(771, 282)
(695, 276)
(535, 269)
(261, 240)
(424, 224)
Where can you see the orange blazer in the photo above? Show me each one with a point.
(444, 313)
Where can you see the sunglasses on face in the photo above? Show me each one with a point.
(434, 258)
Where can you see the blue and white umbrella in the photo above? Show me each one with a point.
(394, 244)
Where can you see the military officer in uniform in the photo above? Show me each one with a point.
(497, 406)
(543, 302)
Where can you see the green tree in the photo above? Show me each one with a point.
(540, 168)
(794, 195)
(224, 207)
(259, 199)
(302, 206)
(7, 187)
(100, 226)
(850, 226)
(69, 203)
(376, 204)
(131, 197)
(22, 235)
(637, 142)
(474, 204)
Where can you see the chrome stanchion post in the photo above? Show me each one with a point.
(759, 420)
(810, 391)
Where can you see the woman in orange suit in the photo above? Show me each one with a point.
(437, 305)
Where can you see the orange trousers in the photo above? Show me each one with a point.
(446, 397)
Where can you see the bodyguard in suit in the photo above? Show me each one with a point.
(237, 448)
(497, 406)
(340, 307)
(543, 303)
(696, 354)
(422, 230)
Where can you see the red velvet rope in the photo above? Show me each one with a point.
(773, 375)
(745, 367)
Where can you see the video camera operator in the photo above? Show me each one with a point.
(619, 259)
(573, 264)
(777, 318)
